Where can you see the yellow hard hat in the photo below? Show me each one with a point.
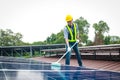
(69, 18)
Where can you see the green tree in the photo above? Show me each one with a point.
(111, 40)
(83, 29)
(51, 38)
(48, 40)
(8, 38)
(55, 38)
(89, 43)
(114, 40)
(39, 43)
(107, 40)
(59, 38)
(100, 29)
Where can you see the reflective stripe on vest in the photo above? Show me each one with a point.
(72, 34)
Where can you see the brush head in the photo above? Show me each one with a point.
(55, 66)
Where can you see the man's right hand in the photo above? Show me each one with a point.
(68, 49)
(77, 40)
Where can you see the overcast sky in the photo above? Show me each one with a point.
(37, 19)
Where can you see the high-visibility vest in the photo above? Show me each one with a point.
(72, 34)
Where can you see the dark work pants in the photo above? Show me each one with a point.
(77, 53)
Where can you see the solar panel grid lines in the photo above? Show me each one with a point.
(12, 68)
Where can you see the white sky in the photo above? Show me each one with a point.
(37, 19)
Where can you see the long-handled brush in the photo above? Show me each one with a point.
(56, 65)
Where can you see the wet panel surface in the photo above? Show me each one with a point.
(28, 69)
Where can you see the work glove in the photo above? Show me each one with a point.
(68, 49)
(77, 40)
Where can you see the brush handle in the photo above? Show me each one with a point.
(66, 52)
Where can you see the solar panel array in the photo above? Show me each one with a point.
(12, 68)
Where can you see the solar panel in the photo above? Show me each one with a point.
(12, 68)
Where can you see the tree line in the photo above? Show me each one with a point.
(9, 38)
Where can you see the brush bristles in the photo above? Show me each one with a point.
(55, 66)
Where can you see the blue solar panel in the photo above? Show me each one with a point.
(28, 69)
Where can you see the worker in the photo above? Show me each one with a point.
(71, 35)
